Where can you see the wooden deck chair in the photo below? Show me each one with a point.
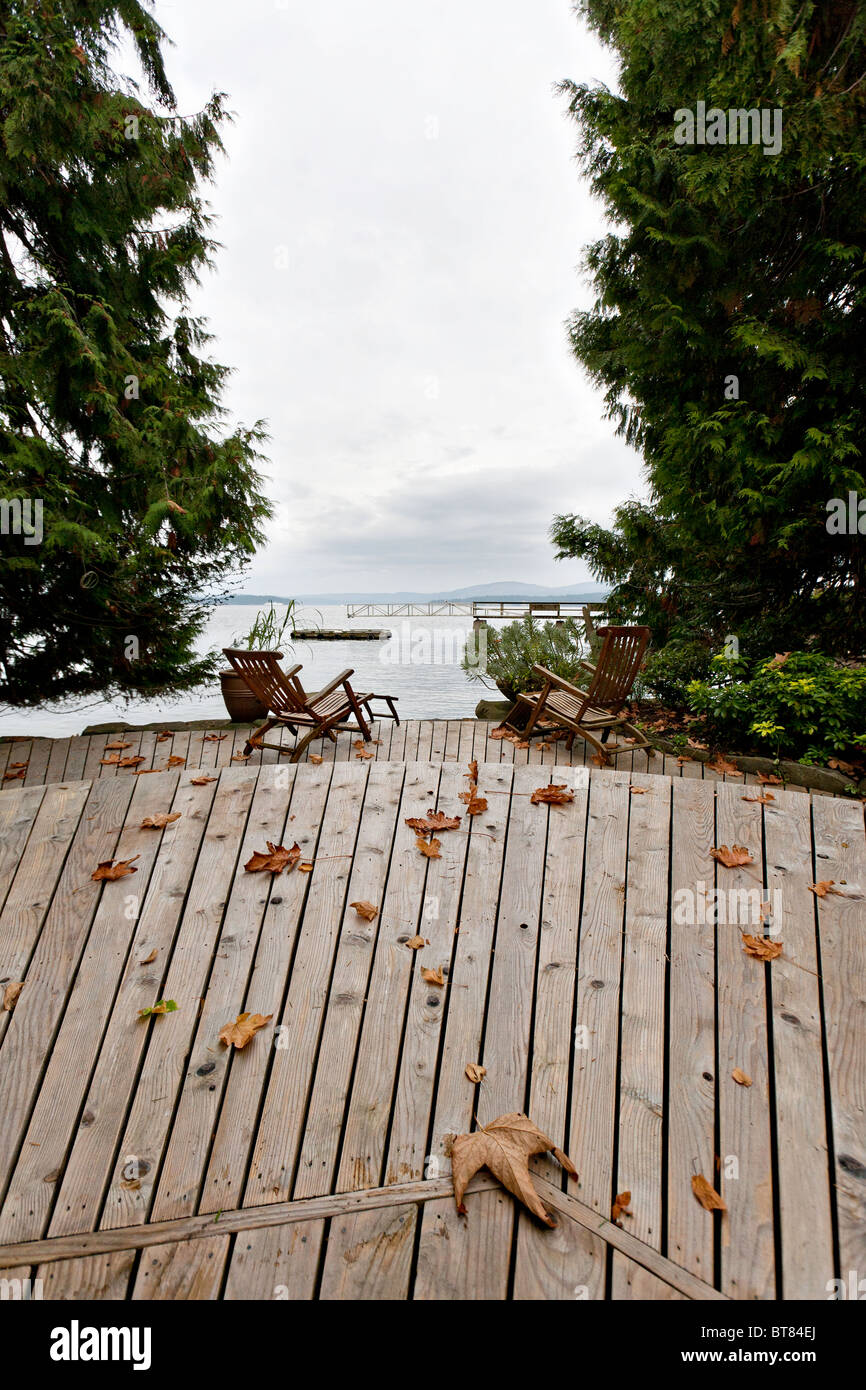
(594, 711)
(323, 714)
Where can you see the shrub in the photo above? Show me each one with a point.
(512, 652)
(670, 670)
(804, 706)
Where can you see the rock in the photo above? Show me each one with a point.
(492, 709)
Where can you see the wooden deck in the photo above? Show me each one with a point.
(441, 740)
(144, 1160)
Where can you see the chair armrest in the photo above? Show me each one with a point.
(342, 679)
(587, 666)
(560, 682)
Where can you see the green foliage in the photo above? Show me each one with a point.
(109, 407)
(669, 671)
(729, 262)
(507, 657)
(809, 708)
(268, 629)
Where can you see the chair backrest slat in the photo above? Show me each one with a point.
(617, 665)
(267, 679)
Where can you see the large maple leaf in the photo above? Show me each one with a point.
(505, 1147)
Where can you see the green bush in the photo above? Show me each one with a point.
(506, 658)
(670, 670)
(807, 707)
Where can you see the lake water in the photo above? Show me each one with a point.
(419, 664)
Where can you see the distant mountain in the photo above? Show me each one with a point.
(502, 589)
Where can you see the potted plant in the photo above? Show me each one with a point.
(265, 635)
(506, 658)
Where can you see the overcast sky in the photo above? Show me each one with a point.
(402, 224)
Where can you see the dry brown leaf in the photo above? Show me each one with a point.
(132, 762)
(706, 1195)
(551, 796)
(314, 758)
(275, 860)
(11, 993)
(165, 736)
(695, 743)
(245, 1026)
(621, 1204)
(475, 1072)
(723, 767)
(734, 858)
(305, 867)
(429, 848)
(505, 1147)
(201, 781)
(365, 910)
(763, 798)
(434, 820)
(12, 776)
(148, 960)
(499, 733)
(146, 771)
(162, 818)
(364, 754)
(639, 791)
(108, 869)
(112, 760)
(416, 942)
(839, 765)
(472, 774)
(761, 947)
(769, 779)
(433, 977)
(823, 887)
(118, 743)
(175, 761)
(475, 804)
(740, 1077)
(24, 764)
(600, 760)
(213, 738)
(241, 757)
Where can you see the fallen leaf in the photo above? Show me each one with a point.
(146, 771)
(24, 764)
(429, 848)
(499, 733)
(683, 759)
(764, 798)
(504, 1147)
(132, 762)
(723, 767)
(769, 779)
(11, 993)
(694, 743)
(275, 860)
(314, 758)
(733, 858)
(364, 754)
(108, 869)
(201, 781)
(433, 977)
(240, 757)
(164, 736)
(12, 776)
(245, 1026)
(621, 1204)
(475, 804)
(416, 942)
(839, 766)
(162, 818)
(305, 867)
(365, 910)
(823, 887)
(117, 744)
(638, 791)
(706, 1195)
(175, 761)
(600, 760)
(740, 1077)
(163, 1006)
(472, 774)
(761, 947)
(434, 820)
(111, 761)
(213, 738)
(148, 960)
(475, 1071)
(552, 796)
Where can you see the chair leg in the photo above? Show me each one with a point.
(506, 722)
(304, 743)
(254, 740)
(362, 723)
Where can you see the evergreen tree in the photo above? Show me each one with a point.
(110, 418)
(728, 326)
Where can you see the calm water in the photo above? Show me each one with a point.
(420, 664)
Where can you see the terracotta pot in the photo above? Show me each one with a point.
(243, 706)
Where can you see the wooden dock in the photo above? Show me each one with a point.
(145, 1160)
